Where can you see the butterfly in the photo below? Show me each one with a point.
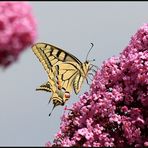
(65, 71)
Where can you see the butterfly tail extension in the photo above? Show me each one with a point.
(52, 110)
(57, 100)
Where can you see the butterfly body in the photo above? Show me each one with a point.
(65, 72)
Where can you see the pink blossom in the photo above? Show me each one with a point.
(48, 144)
(146, 144)
(114, 112)
(17, 30)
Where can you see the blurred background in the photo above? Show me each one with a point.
(24, 119)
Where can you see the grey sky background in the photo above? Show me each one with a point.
(72, 26)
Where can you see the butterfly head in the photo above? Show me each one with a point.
(86, 66)
(88, 69)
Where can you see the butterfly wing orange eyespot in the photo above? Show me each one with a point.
(67, 95)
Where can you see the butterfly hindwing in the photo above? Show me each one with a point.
(66, 74)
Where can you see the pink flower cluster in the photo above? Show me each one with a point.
(115, 111)
(17, 30)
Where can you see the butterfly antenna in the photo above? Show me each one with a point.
(52, 110)
(89, 50)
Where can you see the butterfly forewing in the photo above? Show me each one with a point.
(50, 55)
